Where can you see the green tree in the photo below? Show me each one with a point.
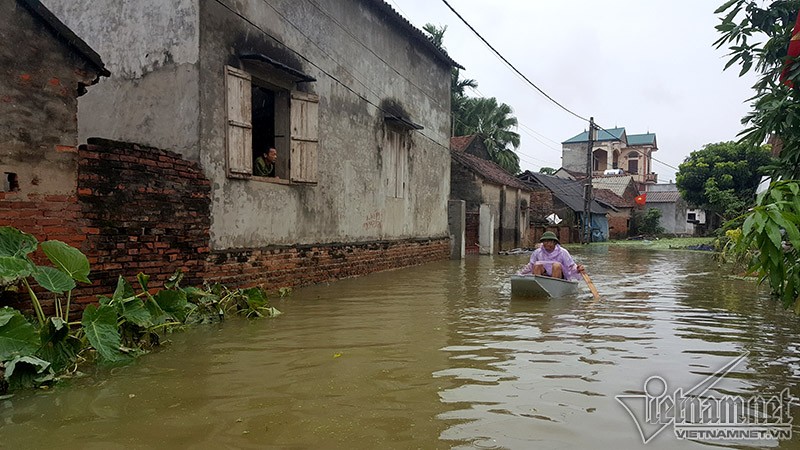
(547, 170)
(758, 33)
(723, 177)
(647, 222)
(494, 122)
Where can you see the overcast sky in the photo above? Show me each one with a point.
(646, 65)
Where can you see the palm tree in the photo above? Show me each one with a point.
(494, 122)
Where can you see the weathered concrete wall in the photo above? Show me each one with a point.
(673, 217)
(349, 203)
(151, 48)
(39, 78)
(456, 223)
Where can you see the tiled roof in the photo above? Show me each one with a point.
(610, 198)
(460, 143)
(663, 197)
(642, 139)
(616, 183)
(570, 192)
(613, 134)
(488, 170)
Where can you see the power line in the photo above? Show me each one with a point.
(512, 66)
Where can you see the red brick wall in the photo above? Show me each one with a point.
(472, 227)
(303, 265)
(48, 217)
(146, 210)
(618, 226)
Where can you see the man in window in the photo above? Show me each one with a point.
(265, 164)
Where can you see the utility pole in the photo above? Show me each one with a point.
(586, 235)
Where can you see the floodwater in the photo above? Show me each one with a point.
(440, 356)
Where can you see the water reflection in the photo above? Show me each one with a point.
(437, 356)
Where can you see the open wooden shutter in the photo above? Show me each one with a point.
(304, 112)
(239, 134)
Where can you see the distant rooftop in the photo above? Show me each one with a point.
(614, 134)
(642, 139)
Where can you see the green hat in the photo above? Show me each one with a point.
(549, 235)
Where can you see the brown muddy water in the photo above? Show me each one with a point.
(438, 356)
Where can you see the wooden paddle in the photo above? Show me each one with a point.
(591, 285)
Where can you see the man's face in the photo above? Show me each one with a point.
(272, 155)
(549, 244)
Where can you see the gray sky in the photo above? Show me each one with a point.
(646, 65)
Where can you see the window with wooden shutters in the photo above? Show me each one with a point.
(395, 159)
(304, 137)
(239, 126)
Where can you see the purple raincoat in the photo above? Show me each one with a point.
(559, 255)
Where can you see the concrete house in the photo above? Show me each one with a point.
(675, 213)
(614, 152)
(496, 203)
(45, 68)
(353, 97)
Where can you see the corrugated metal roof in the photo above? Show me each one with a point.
(616, 184)
(570, 192)
(488, 170)
(642, 139)
(663, 197)
(613, 134)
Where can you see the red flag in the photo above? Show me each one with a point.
(641, 199)
(792, 53)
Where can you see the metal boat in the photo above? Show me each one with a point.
(541, 286)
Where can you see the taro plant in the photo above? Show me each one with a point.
(120, 327)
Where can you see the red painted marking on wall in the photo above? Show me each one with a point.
(67, 148)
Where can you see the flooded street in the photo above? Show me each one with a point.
(438, 356)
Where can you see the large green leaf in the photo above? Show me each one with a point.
(68, 259)
(58, 346)
(18, 337)
(173, 302)
(134, 311)
(53, 279)
(124, 290)
(13, 269)
(100, 327)
(16, 243)
(28, 371)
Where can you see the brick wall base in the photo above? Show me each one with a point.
(308, 264)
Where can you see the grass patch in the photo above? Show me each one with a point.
(663, 244)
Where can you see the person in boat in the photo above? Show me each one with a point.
(551, 260)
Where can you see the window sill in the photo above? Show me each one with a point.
(271, 180)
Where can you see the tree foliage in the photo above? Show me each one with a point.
(723, 177)
(547, 170)
(647, 222)
(494, 122)
(757, 34)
